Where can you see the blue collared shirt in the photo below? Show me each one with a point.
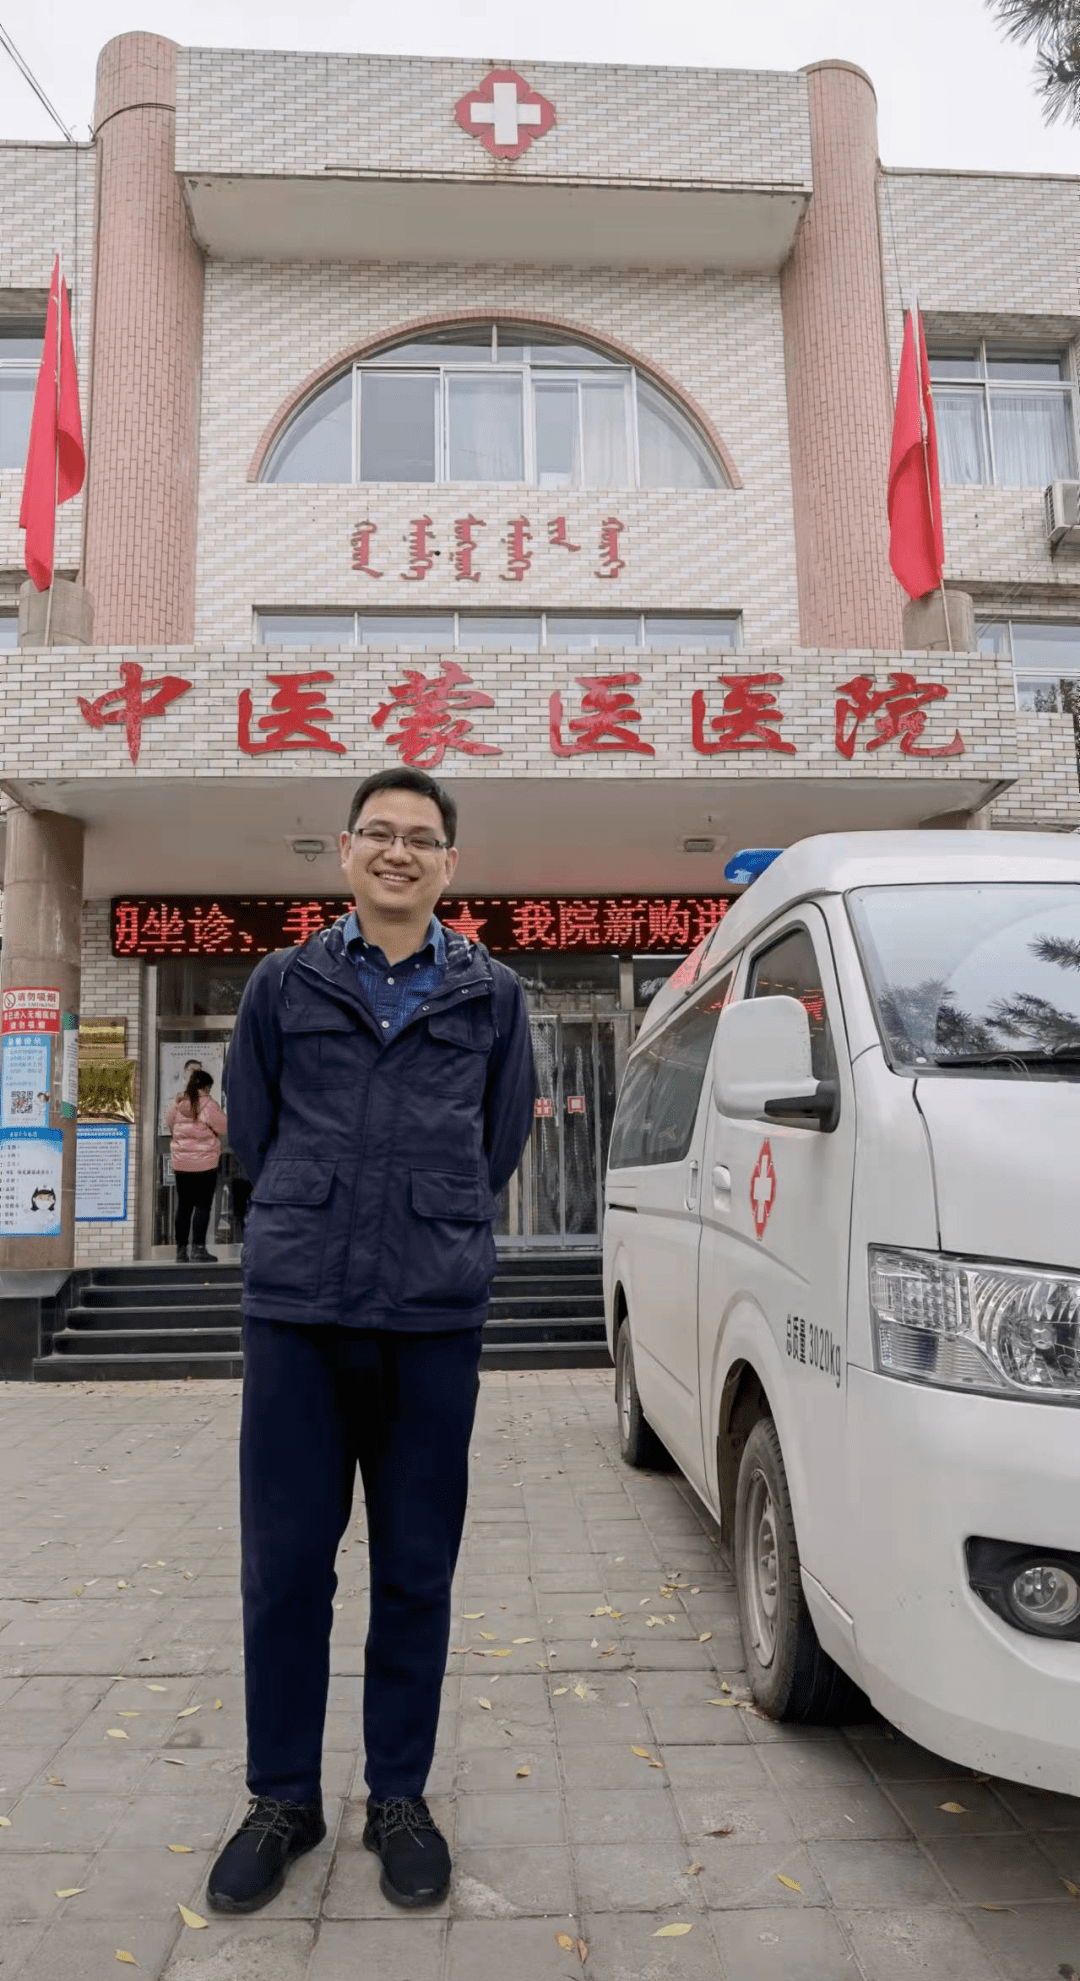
(395, 991)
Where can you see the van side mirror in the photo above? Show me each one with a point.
(762, 1064)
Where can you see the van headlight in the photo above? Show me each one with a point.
(964, 1324)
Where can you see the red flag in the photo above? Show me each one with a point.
(55, 458)
(916, 542)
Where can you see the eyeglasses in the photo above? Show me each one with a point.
(381, 837)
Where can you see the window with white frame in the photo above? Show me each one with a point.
(496, 405)
(1004, 415)
(9, 631)
(1046, 661)
(20, 359)
(497, 632)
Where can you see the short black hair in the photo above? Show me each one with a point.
(408, 780)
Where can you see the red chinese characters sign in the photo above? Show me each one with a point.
(439, 709)
(616, 924)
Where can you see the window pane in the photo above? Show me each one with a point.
(494, 632)
(557, 447)
(486, 428)
(962, 441)
(667, 632)
(306, 629)
(1033, 437)
(446, 347)
(516, 345)
(16, 406)
(1026, 367)
(1041, 694)
(1049, 647)
(964, 364)
(317, 445)
(992, 637)
(398, 429)
(683, 1052)
(584, 633)
(18, 348)
(603, 413)
(671, 454)
(628, 1133)
(790, 969)
(9, 632)
(419, 631)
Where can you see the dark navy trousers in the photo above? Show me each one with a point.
(318, 1402)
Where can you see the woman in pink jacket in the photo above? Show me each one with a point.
(196, 1126)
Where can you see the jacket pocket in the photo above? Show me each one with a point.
(287, 1229)
(449, 1252)
(319, 1046)
(459, 1042)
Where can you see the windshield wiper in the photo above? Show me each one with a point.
(1024, 1057)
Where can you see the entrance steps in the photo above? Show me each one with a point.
(160, 1322)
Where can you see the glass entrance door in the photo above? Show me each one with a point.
(556, 1198)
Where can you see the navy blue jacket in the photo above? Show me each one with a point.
(376, 1163)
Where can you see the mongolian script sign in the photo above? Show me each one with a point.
(613, 924)
(511, 555)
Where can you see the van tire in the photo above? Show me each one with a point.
(790, 1676)
(638, 1442)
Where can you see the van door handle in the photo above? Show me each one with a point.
(721, 1187)
(691, 1197)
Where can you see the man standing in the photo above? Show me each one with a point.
(380, 1091)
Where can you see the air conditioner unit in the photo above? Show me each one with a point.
(1061, 503)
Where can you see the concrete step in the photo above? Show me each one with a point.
(135, 1368)
(99, 1342)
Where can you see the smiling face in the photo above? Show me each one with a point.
(397, 882)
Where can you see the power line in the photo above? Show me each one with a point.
(27, 73)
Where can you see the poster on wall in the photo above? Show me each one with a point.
(31, 1161)
(101, 1172)
(25, 1072)
(176, 1060)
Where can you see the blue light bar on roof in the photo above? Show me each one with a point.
(750, 864)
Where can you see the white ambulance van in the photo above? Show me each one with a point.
(842, 1280)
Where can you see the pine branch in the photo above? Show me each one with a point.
(1054, 27)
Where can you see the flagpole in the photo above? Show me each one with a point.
(56, 445)
(917, 338)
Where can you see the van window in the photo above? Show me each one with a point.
(658, 1104)
(789, 968)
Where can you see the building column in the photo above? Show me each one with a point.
(839, 383)
(43, 898)
(146, 352)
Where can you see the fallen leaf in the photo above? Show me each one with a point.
(500, 1654)
(117, 1733)
(721, 1702)
(78, 1589)
(559, 1690)
(953, 1808)
(159, 1564)
(522, 1772)
(128, 1957)
(173, 1761)
(56, 1781)
(187, 1711)
(705, 1636)
(180, 1849)
(1073, 1890)
(472, 1616)
(724, 1686)
(5, 1822)
(564, 1941)
(191, 1919)
(696, 1591)
(580, 1691)
(995, 1908)
(121, 1585)
(524, 1640)
(156, 1688)
(487, 1635)
(656, 1764)
(485, 1703)
(721, 1833)
(694, 1870)
(217, 1705)
(671, 1932)
(582, 1952)
(71, 1891)
(595, 1645)
(789, 1882)
(157, 1592)
(643, 1751)
(130, 1714)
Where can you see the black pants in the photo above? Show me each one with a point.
(318, 1401)
(194, 1201)
(241, 1202)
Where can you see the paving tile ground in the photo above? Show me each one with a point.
(595, 1614)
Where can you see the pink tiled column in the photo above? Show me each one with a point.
(139, 561)
(839, 387)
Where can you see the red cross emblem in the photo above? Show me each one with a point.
(763, 1189)
(505, 114)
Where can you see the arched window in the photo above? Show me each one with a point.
(495, 403)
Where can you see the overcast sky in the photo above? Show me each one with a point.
(950, 91)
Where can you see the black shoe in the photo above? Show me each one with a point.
(200, 1256)
(181, 1255)
(415, 1859)
(250, 1871)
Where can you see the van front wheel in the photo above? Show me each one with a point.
(790, 1676)
(638, 1442)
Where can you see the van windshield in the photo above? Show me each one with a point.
(976, 976)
